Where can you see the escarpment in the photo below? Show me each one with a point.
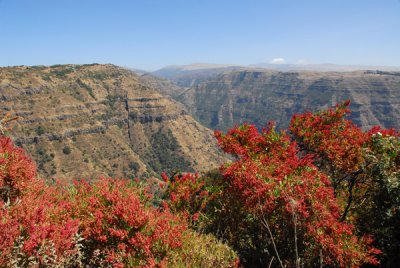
(88, 121)
(259, 96)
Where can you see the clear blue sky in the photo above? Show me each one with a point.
(149, 34)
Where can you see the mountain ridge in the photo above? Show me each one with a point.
(101, 121)
(223, 99)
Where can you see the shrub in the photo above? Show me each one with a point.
(203, 251)
(40, 130)
(117, 225)
(290, 200)
(364, 168)
(107, 223)
(66, 150)
(16, 171)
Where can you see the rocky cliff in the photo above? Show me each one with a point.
(87, 121)
(259, 96)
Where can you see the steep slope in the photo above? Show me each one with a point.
(163, 85)
(100, 120)
(261, 96)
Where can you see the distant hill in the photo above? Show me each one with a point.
(192, 74)
(101, 120)
(255, 95)
(189, 75)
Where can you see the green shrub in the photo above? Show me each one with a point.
(40, 130)
(66, 150)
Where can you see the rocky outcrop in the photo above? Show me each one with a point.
(260, 96)
(101, 120)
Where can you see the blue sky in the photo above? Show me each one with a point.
(150, 34)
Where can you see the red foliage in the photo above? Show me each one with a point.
(34, 216)
(273, 182)
(363, 166)
(9, 231)
(384, 132)
(186, 193)
(327, 132)
(117, 223)
(111, 215)
(16, 169)
(44, 220)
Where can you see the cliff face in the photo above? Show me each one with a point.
(87, 121)
(259, 96)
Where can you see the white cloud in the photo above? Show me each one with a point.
(277, 61)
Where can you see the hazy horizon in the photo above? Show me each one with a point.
(153, 34)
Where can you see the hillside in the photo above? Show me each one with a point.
(163, 85)
(258, 96)
(100, 120)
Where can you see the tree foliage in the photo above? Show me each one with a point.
(292, 199)
(109, 223)
(364, 167)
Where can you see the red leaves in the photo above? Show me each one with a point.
(106, 223)
(34, 213)
(377, 130)
(186, 195)
(116, 221)
(9, 231)
(329, 134)
(272, 181)
(111, 215)
(43, 224)
(16, 169)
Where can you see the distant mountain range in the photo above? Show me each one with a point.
(174, 70)
(222, 96)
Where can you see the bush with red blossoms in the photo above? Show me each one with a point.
(186, 194)
(35, 227)
(109, 223)
(116, 224)
(364, 168)
(291, 199)
(17, 170)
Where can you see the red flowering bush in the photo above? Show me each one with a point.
(290, 197)
(35, 225)
(9, 231)
(16, 170)
(116, 224)
(47, 234)
(328, 133)
(186, 194)
(364, 169)
(110, 223)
